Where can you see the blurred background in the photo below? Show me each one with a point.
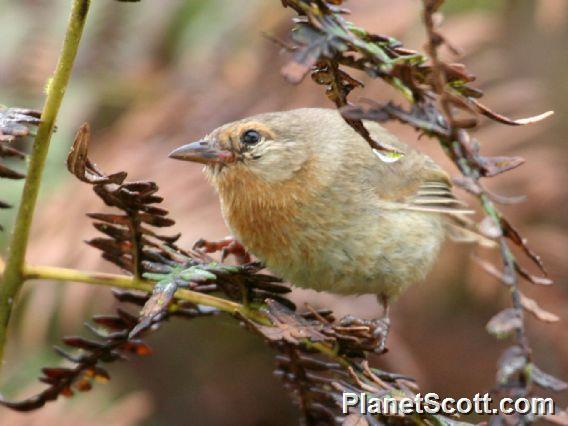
(153, 75)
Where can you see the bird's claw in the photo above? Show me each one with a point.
(381, 328)
(378, 327)
(227, 246)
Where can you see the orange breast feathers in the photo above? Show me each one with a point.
(264, 215)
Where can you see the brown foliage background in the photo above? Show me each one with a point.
(158, 74)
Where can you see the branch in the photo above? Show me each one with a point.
(13, 277)
(457, 142)
(132, 283)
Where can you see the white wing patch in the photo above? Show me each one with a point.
(436, 197)
(388, 157)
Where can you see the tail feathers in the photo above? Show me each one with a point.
(463, 234)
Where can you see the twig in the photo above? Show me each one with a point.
(132, 283)
(13, 276)
(454, 146)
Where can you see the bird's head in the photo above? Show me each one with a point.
(272, 147)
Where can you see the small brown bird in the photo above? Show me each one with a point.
(306, 194)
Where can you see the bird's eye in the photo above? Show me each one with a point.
(250, 137)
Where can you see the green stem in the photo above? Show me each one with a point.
(13, 277)
(123, 281)
(133, 283)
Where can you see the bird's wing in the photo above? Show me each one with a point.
(419, 184)
(430, 190)
(415, 182)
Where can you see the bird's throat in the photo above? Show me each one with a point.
(263, 215)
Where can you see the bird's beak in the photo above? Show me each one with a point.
(204, 152)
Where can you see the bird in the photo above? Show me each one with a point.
(305, 194)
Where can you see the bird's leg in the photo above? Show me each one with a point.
(226, 246)
(382, 325)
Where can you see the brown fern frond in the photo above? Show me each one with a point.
(15, 123)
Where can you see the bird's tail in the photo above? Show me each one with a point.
(464, 230)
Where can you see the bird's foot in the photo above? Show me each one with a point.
(378, 327)
(227, 246)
